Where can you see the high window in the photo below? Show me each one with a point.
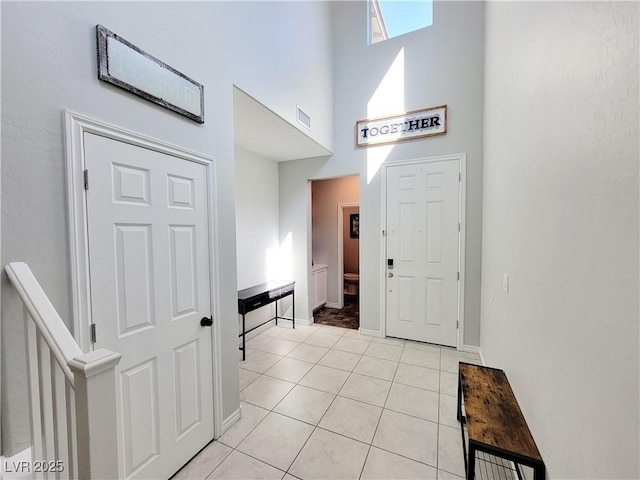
(391, 18)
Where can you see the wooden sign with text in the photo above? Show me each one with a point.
(427, 122)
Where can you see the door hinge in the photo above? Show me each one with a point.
(458, 276)
(457, 323)
(93, 333)
(459, 176)
(384, 233)
(458, 226)
(86, 179)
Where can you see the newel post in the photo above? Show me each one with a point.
(96, 417)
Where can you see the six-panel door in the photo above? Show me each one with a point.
(423, 241)
(148, 225)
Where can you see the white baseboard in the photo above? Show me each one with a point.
(470, 349)
(370, 333)
(231, 420)
(332, 305)
(481, 357)
(299, 321)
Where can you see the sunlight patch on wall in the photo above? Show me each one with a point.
(388, 99)
(280, 260)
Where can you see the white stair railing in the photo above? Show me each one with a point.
(72, 396)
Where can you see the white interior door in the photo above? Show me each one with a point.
(423, 242)
(150, 281)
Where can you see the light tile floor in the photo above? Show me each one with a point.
(324, 402)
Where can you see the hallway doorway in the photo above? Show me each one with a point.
(346, 317)
(335, 225)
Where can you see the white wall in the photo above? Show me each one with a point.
(326, 195)
(257, 217)
(49, 64)
(561, 218)
(282, 57)
(295, 225)
(257, 225)
(442, 64)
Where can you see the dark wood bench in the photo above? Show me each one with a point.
(493, 419)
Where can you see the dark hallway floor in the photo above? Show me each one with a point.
(347, 317)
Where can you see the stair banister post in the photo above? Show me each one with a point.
(96, 414)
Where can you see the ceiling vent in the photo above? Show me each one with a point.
(304, 119)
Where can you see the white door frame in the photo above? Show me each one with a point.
(340, 269)
(462, 159)
(76, 125)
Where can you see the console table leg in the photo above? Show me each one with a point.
(244, 346)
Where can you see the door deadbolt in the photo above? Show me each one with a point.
(389, 274)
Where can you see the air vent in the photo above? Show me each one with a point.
(304, 119)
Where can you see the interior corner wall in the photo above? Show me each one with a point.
(49, 64)
(257, 225)
(326, 195)
(561, 218)
(295, 225)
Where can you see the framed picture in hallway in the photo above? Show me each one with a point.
(354, 225)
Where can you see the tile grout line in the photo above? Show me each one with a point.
(352, 372)
(380, 417)
(315, 427)
(272, 410)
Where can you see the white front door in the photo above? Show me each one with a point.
(423, 203)
(148, 237)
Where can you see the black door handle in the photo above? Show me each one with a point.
(206, 321)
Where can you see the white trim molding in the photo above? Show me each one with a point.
(481, 357)
(470, 349)
(462, 159)
(371, 333)
(340, 265)
(333, 305)
(299, 321)
(76, 125)
(231, 420)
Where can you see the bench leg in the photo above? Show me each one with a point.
(538, 472)
(459, 399)
(471, 462)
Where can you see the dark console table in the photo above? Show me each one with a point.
(252, 298)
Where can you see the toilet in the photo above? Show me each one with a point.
(351, 283)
